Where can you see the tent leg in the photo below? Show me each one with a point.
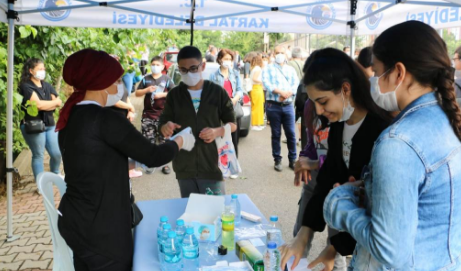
(9, 125)
(352, 53)
(192, 21)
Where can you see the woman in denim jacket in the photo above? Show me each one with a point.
(339, 90)
(229, 79)
(411, 218)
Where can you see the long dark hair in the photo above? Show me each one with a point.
(328, 69)
(30, 64)
(425, 56)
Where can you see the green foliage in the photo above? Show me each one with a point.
(54, 45)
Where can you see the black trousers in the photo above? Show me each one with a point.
(235, 138)
(85, 260)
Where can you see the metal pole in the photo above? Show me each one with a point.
(352, 38)
(9, 124)
(192, 21)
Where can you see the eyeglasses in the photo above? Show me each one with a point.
(192, 69)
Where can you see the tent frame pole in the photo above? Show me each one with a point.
(191, 21)
(352, 25)
(11, 15)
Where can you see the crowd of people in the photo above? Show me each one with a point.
(379, 163)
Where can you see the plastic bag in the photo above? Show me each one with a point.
(227, 159)
(244, 233)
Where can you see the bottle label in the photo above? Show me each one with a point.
(228, 225)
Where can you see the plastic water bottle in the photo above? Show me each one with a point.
(227, 219)
(162, 240)
(163, 221)
(190, 251)
(172, 256)
(180, 230)
(272, 258)
(274, 231)
(235, 205)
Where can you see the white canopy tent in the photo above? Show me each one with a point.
(336, 17)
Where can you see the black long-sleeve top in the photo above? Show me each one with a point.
(334, 170)
(95, 147)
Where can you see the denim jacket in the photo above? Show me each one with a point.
(412, 215)
(234, 78)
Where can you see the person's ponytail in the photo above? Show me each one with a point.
(447, 99)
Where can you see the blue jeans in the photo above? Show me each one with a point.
(282, 116)
(37, 144)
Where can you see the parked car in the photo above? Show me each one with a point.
(245, 121)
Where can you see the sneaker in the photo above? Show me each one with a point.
(149, 170)
(166, 170)
(292, 164)
(278, 166)
(233, 176)
(255, 128)
(134, 173)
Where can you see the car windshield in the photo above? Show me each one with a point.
(172, 58)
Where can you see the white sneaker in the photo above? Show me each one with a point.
(233, 176)
(255, 128)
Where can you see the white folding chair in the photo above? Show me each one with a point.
(62, 254)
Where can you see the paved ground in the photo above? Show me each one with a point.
(271, 191)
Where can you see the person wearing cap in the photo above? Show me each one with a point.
(96, 142)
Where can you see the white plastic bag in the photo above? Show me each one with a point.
(227, 159)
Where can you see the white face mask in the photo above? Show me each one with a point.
(388, 100)
(227, 64)
(265, 63)
(156, 69)
(112, 99)
(40, 75)
(280, 58)
(347, 110)
(272, 59)
(191, 79)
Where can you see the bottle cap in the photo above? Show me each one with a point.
(234, 196)
(272, 245)
(222, 250)
(172, 234)
(166, 226)
(274, 218)
(190, 230)
(164, 219)
(180, 222)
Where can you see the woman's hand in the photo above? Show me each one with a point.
(303, 169)
(235, 100)
(295, 248)
(327, 257)
(58, 102)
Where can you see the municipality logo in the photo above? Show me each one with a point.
(55, 15)
(373, 21)
(320, 14)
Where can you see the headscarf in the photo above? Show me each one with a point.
(84, 70)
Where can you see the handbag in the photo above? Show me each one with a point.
(238, 110)
(34, 126)
(136, 214)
